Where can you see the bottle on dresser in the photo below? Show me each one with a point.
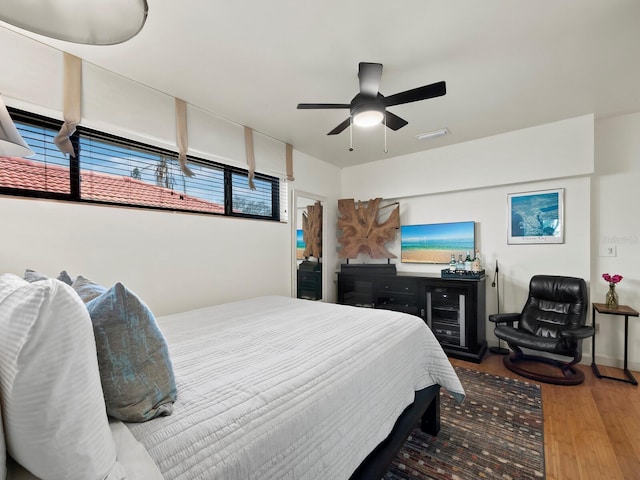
(468, 262)
(452, 263)
(460, 263)
(476, 265)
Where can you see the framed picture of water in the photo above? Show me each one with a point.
(300, 245)
(436, 242)
(536, 217)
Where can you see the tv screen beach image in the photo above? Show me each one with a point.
(435, 243)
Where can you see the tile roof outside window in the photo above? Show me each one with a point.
(37, 176)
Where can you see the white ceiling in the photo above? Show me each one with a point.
(508, 64)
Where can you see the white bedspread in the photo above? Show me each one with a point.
(281, 388)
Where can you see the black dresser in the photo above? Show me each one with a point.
(454, 308)
(309, 281)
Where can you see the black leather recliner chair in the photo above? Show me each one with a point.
(553, 321)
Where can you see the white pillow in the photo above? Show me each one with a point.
(3, 448)
(3, 453)
(54, 414)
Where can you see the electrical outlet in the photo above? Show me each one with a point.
(608, 250)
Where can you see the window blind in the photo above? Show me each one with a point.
(145, 176)
(119, 171)
(47, 171)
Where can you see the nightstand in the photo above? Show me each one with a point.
(621, 310)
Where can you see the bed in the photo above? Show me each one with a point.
(303, 389)
(270, 387)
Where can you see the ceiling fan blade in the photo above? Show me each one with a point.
(340, 127)
(394, 122)
(369, 75)
(309, 106)
(421, 93)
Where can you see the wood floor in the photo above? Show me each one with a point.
(591, 430)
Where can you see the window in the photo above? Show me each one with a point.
(44, 174)
(113, 170)
(251, 202)
(116, 172)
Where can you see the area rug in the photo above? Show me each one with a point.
(497, 433)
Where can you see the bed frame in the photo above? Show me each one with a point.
(424, 409)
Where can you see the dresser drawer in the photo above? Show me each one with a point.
(400, 307)
(398, 285)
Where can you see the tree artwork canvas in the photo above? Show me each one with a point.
(312, 231)
(361, 230)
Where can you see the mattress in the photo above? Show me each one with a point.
(283, 388)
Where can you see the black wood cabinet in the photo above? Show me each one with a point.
(310, 285)
(454, 309)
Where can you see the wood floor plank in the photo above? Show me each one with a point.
(591, 430)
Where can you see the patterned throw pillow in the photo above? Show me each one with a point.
(86, 289)
(135, 368)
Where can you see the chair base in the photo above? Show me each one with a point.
(569, 374)
(499, 350)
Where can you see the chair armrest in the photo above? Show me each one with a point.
(504, 317)
(578, 333)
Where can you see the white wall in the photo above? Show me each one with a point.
(557, 155)
(174, 261)
(615, 222)
(554, 150)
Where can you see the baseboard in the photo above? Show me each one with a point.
(607, 361)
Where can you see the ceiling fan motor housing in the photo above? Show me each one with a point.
(371, 107)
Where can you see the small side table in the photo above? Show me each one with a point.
(621, 310)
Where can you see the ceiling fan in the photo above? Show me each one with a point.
(369, 106)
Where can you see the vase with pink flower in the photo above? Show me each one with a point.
(611, 299)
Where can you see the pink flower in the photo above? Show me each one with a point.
(612, 278)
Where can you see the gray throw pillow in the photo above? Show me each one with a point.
(35, 276)
(86, 289)
(133, 357)
(65, 277)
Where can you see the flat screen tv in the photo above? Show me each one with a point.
(300, 245)
(436, 242)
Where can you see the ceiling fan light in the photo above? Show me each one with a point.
(368, 118)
